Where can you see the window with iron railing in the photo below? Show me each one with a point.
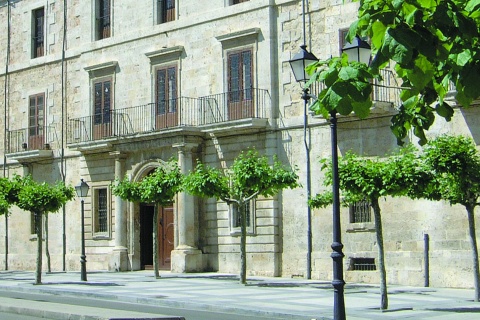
(360, 212)
(236, 217)
(103, 19)
(101, 212)
(38, 34)
(36, 121)
(362, 264)
(165, 11)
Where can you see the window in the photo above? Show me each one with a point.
(165, 11)
(362, 264)
(238, 1)
(240, 82)
(38, 47)
(166, 97)
(102, 108)
(360, 212)
(36, 121)
(103, 25)
(236, 217)
(101, 212)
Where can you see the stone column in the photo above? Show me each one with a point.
(119, 256)
(186, 257)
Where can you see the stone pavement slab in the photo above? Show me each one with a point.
(281, 298)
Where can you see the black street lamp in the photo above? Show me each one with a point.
(82, 191)
(298, 64)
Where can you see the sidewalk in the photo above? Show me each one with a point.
(279, 298)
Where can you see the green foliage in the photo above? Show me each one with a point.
(347, 87)
(9, 189)
(160, 187)
(401, 174)
(42, 197)
(207, 182)
(433, 43)
(250, 175)
(456, 164)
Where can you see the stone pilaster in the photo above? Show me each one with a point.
(119, 256)
(186, 257)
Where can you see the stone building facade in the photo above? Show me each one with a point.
(128, 85)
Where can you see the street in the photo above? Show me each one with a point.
(24, 298)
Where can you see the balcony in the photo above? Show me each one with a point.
(201, 113)
(31, 144)
(385, 92)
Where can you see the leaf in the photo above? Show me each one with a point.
(444, 110)
(472, 5)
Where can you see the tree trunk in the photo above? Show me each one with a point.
(243, 243)
(38, 229)
(47, 251)
(155, 241)
(473, 242)
(381, 255)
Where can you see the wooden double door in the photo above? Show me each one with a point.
(166, 231)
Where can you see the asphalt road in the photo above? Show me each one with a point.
(119, 305)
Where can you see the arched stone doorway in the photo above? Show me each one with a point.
(142, 226)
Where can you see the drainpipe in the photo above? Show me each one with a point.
(5, 132)
(62, 135)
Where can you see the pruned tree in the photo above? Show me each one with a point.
(159, 188)
(41, 199)
(369, 179)
(433, 44)
(249, 176)
(455, 163)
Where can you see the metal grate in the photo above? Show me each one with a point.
(360, 211)
(102, 217)
(362, 264)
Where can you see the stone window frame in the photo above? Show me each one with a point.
(235, 229)
(164, 17)
(38, 39)
(240, 41)
(101, 235)
(97, 33)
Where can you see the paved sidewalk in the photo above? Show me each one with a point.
(280, 298)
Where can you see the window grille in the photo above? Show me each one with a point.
(102, 210)
(237, 217)
(360, 212)
(362, 264)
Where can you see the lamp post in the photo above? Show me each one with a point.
(359, 50)
(82, 191)
(298, 64)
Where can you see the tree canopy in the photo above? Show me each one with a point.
(434, 44)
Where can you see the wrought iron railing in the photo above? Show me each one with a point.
(180, 112)
(31, 138)
(385, 90)
(234, 105)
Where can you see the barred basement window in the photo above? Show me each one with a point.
(360, 212)
(362, 264)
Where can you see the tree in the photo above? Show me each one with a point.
(369, 179)
(455, 163)
(41, 198)
(249, 176)
(158, 188)
(434, 44)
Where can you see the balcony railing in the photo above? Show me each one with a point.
(234, 105)
(385, 90)
(31, 138)
(180, 112)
